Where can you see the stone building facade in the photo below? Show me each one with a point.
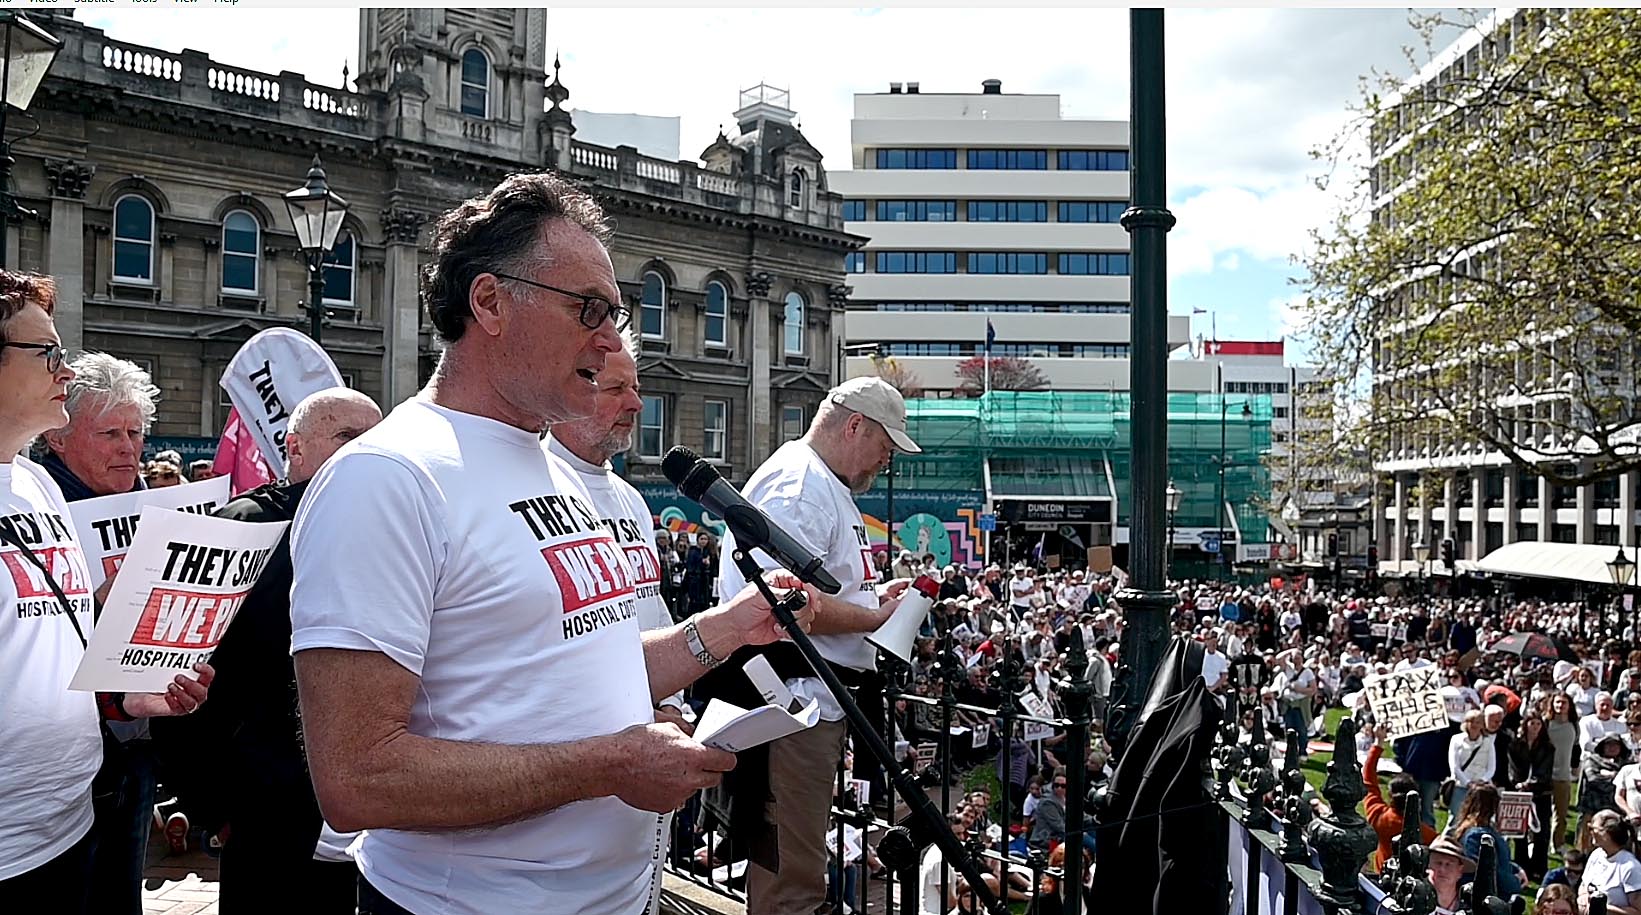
(156, 179)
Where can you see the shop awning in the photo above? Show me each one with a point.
(1077, 478)
(1565, 561)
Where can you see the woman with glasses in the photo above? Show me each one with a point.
(1612, 869)
(51, 738)
(1556, 900)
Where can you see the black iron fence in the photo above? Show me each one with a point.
(1282, 846)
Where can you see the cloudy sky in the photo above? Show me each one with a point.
(1250, 93)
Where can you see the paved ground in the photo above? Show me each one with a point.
(178, 884)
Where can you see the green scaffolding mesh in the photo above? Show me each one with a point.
(1047, 444)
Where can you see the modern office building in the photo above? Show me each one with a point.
(1441, 486)
(991, 207)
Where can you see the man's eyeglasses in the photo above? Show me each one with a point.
(594, 308)
(53, 353)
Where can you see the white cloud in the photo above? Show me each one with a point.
(1222, 220)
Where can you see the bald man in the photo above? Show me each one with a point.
(244, 765)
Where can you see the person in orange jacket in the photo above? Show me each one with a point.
(1386, 817)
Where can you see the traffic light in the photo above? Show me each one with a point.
(1373, 562)
(1333, 544)
(1448, 559)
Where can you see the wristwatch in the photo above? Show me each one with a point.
(692, 638)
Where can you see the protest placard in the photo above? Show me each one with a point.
(178, 589)
(925, 755)
(1515, 814)
(272, 373)
(980, 736)
(1037, 707)
(1407, 702)
(105, 525)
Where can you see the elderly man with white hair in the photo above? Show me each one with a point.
(279, 855)
(110, 405)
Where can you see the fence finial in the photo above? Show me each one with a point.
(1342, 838)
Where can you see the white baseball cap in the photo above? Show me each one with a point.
(877, 400)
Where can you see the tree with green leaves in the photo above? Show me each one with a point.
(1479, 291)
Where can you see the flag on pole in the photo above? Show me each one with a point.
(991, 338)
(1199, 311)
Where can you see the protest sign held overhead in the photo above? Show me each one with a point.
(268, 377)
(179, 587)
(1407, 702)
(106, 525)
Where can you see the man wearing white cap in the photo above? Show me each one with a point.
(807, 487)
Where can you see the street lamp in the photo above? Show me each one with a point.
(1219, 510)
(1622, 571)
(316, 215)
(1333, 544)
(1421, 555)
(1172, 496)
(29, 52)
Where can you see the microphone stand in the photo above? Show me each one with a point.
(929, 819)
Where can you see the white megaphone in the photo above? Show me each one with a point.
(897, 635)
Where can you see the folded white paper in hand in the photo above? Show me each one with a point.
(731, 728)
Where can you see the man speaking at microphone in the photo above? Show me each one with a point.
(476, 693)
(807, 488)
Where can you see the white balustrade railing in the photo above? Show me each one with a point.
(246, 84)
(142, 62)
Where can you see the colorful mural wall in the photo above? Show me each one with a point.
(943, 523)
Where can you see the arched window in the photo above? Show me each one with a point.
(793, 324)
(796, 188)
(133, 239)
(717, 322)
(652, 307)
(475, 83)
(339, 270)
(241, 250)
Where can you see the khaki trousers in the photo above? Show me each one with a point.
(803, 773)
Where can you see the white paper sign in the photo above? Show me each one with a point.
(851, 843)
(728, 727)
(980, 737)
(178, 589)
(1407, 702)
(268, 377)
(105, 525)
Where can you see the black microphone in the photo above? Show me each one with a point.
(697, 480)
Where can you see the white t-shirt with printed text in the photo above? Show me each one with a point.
(626, 515)
(458, 547)
(803, 497)
(50, 745)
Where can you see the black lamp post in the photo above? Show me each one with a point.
(1172, 496)
(316, 215)
(1421, 555)
(1219, 510)
(1622, 571)
(1145, 602)
(1335, 546)
(29, 52)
